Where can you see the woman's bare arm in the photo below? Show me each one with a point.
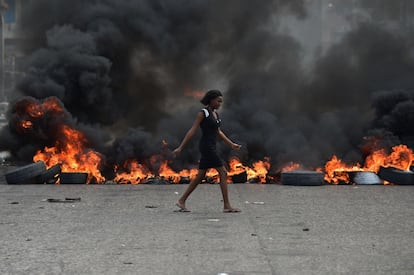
(190, 133)
(227, 140)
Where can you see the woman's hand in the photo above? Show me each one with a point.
(235, 146)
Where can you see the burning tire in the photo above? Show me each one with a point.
(73, 178)
(27, 174)
(51, 175)
(239, 178)
(396, 176)
(157, 181)
(184, 180)
(364, 178)
(302, 178)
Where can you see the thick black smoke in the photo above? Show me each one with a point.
(282, 113)
(124, 68)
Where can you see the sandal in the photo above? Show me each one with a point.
(182, 208)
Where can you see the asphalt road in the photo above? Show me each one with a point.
(126, 229)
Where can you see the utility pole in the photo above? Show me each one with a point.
(3, 7)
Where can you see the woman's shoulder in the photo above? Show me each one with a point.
(205, 112)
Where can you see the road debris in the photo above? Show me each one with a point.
(65, 200)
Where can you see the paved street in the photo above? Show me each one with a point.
(125, 229)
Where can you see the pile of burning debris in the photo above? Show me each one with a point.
(38, 173)
(385, 176)
(69, 159)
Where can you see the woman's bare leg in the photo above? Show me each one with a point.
(191, 187)
(224, 190)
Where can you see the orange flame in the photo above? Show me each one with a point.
(337, 171)
(50, 104)
(26, 124)
(136, 174)
(258, 171)
(166, 172)
(401, 157)
(292, 166)
(71, 154)
(30, 110)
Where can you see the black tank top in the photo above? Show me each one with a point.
(209, 126)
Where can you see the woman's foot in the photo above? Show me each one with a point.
(182, 207)
(231, 210)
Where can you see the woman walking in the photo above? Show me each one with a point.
(209, 122)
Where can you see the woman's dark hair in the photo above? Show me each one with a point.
(210, 95)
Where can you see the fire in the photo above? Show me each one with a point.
(236, 167)
(337, 171)
(26, 124)
(168, 173)
(30, 110)
(136, 174)
(258, 171)
(401, 158)
(292, 166)
(73, 156)
(70, 150)
(50, 104)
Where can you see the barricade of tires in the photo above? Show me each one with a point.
(385, 175)
(37, 173)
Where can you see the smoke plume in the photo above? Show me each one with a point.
(123, 71)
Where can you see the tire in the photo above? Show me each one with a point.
(159, 181)
(73, 178)
(51, 175)
(239, 178)
(27, 174)
(365, 178)
(302, 178)
(184, 180)
(396, 176)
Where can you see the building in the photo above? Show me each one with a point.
(9, 46)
